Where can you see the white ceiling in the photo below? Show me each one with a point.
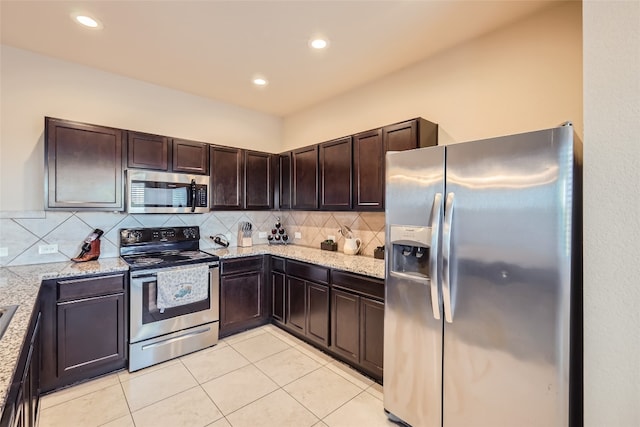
(214, 48)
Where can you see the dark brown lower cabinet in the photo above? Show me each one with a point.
(278, 283)
(318, 313)
(243, 295)
(371, 335)
(343, 315)
(345, 324)
(296, 305)
(357, 330)
(23, 400)
(84, 328)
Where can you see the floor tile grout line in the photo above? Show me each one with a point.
(81, 395)
(338, 408)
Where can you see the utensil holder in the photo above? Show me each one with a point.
(244, 235)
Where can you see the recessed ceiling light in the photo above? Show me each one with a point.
(318, 43)
(260, 81)
(87, 21)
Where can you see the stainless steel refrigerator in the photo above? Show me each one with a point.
(482, 319)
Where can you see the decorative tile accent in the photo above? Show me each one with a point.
(69, 236)
(14, 237)
(105, 221)
(43, 226)
(20, 231)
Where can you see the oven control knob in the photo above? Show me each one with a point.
(190, 233)
(136, 235)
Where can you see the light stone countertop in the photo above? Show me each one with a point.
(20, 285)
(353, 263)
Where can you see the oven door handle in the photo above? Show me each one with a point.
(144, 276)
(178, 338)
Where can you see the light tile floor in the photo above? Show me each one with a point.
(262, 377)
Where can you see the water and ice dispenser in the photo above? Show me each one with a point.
(410, 251)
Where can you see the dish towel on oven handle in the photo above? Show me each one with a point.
(181, 286)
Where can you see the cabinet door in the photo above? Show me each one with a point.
(372, 335)
(278, 296)
(190, 157)
(90, 336)
(401, 136)
(258, 182)
(32, 398)
(147, 151)
(318, 313)
(335, 174)
(284, 180)
(296, 304)
(241, 301)
(83, 166)
(345, 324)
(368, 166)
(305, 178)
(226, 178)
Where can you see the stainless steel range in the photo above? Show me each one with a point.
(174, 294)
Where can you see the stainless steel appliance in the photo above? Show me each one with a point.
(156, 335)
(483, 283)
(162, 192)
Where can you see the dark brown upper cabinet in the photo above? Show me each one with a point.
(190, 157)
(226, 177)
(335, 174)
(83, 166)
(304, 178)
(416, 133)
(284, 181)
(368, 170)
(258, 180)
(147, 151)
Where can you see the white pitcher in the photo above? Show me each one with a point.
(352, 246)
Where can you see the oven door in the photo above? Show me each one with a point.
(146, 321)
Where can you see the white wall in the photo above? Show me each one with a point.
(523, 77)
(612, 213)
(34, 86)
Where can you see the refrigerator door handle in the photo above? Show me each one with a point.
(436, 215)
(446, 254)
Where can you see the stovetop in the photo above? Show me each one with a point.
(168, 259)
(162, 247)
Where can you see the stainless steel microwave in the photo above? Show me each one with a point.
(162, 192)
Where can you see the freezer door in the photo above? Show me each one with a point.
(412, 333)
(506, 350)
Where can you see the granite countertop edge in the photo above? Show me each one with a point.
(19, 285)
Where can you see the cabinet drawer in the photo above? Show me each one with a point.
(313, 273)
(90, 287)
(241, 265)
(360, 284)
(277, 264)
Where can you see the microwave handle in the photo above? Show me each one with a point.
(193, 195)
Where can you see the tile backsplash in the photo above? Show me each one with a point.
(21, 233)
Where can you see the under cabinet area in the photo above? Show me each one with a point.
(243, 294)
(84, 328)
